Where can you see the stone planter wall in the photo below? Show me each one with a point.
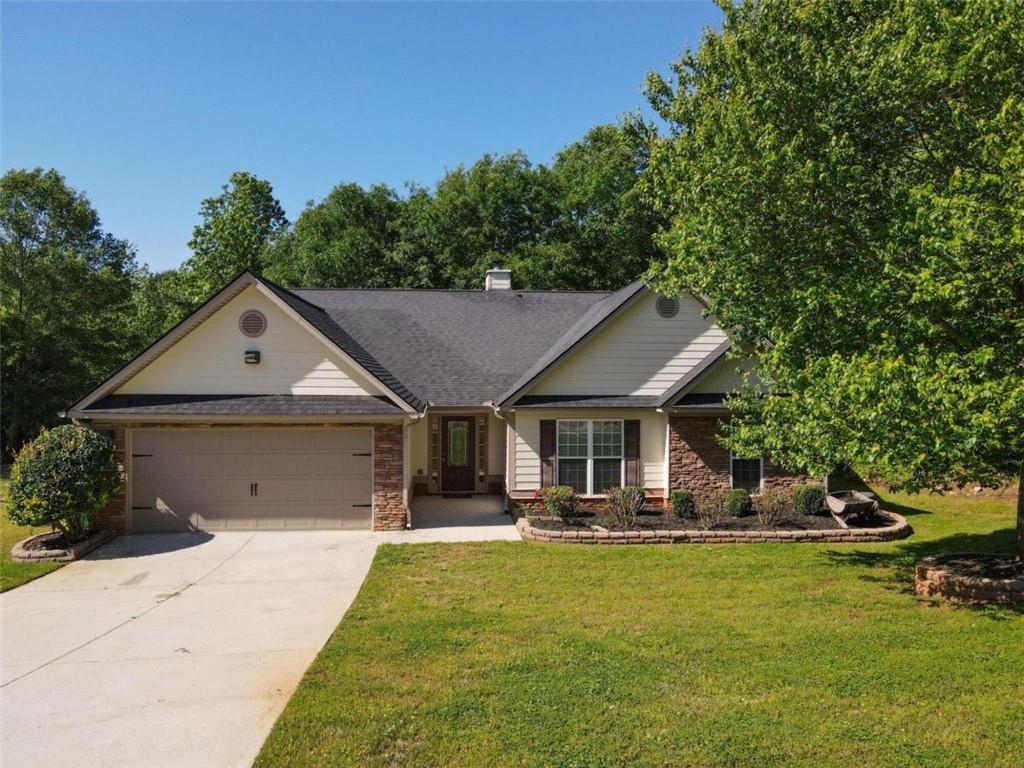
(21, 553)
(898, 530)
(938, 577)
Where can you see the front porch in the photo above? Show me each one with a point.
(478, 510)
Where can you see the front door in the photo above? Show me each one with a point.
(458, 436)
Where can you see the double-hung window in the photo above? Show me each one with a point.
(590, 454)
(745, 473)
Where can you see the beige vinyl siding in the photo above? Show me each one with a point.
(527, 443)
(209, 360)
(419, 446)
(723, 377)
(638, 353)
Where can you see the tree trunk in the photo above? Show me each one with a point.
(1020, 513)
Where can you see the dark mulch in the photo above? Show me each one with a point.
(656, 520)
(983, 566)
(54, 540)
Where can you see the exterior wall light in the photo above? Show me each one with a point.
(252, 357)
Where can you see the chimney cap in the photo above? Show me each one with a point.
(498, 279)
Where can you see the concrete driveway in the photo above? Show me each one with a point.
(176, 649)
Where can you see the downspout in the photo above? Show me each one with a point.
(406, 466)
(508, 454)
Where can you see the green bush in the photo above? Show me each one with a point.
(63, 478)
(624, 504)
(808, 499)
(737, 503)
(683, 503)
(560, 501)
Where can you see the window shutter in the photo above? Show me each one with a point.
(548, 438)
(631, 450)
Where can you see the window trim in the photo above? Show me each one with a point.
(760, 470)
(589, 457)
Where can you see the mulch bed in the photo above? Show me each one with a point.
(54, 540)
(655, 520)
(54, 547)
(980, 565)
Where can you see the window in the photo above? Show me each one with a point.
(590, 455)
(745, 473)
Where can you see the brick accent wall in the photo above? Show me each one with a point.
(696, 460)
(700, 464)
(388, 506)
(113, 518)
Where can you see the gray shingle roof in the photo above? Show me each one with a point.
(244, 405)
(454, 347)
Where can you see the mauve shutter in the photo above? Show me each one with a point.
(631, 450)
(548, 436)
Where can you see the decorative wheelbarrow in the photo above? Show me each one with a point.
(846, 504)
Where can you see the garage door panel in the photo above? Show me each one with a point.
(306, 479)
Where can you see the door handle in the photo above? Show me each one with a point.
(257, 487)
(252, 489)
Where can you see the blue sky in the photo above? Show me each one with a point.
(148, 107)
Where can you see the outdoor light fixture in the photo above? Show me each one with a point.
(252, 357)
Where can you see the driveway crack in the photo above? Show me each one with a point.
(159, 601)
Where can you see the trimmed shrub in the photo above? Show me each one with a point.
(63, 478)
(624, 504)
(710, 509)
(683, 503)
(737, 502)
(808, 499)
(773, 506)
(560, 501)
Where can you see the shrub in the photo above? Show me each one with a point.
(560, 501)
(710, 509)
(808, 499)
(773, 506)
(737, 502)
(63, 478)
(624, 504)
(683, 503)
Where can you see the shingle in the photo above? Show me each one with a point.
(244, 405)
(454, 347)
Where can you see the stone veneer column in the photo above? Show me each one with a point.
(112, 517)
(388, 496)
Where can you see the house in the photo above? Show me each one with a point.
(289, 408)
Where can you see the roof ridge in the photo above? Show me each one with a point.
(456, 290)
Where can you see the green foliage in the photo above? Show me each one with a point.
(560, 501)
(773, 506)
(808, 499)
(844, 182)
(63, 478)
(624, 504)
(683, 503)
(737, 503)
(238, 228)
(65, 295)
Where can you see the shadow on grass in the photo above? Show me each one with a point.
(900, 562)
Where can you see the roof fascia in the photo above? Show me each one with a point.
(695, 374)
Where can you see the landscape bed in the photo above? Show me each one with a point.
(657, 528)
(500, 654)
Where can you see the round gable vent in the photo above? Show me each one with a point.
(252, 323)
(667, 307)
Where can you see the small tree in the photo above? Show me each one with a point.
(63, 478)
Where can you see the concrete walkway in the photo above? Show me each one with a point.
(177, 649)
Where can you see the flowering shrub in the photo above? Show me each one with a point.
(560, 501)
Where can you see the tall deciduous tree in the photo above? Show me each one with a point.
(65, 290)
(238, 228)
(846, 185)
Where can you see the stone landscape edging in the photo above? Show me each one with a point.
(899, 530)
(20, 554)
(936, 577)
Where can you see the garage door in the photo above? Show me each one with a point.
(246, 479)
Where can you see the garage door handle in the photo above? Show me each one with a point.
(257, 487)
(252, 489)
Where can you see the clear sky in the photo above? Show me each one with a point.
(148, 107)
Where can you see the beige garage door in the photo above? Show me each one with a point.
(250, 479)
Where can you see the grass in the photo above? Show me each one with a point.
(14, 574)
(509, 654)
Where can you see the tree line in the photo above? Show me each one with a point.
(77, 303)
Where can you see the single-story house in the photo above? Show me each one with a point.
(319, 408)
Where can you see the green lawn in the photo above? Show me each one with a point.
(509, 654)
(14, 574)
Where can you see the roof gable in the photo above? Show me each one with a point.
(333, 369)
